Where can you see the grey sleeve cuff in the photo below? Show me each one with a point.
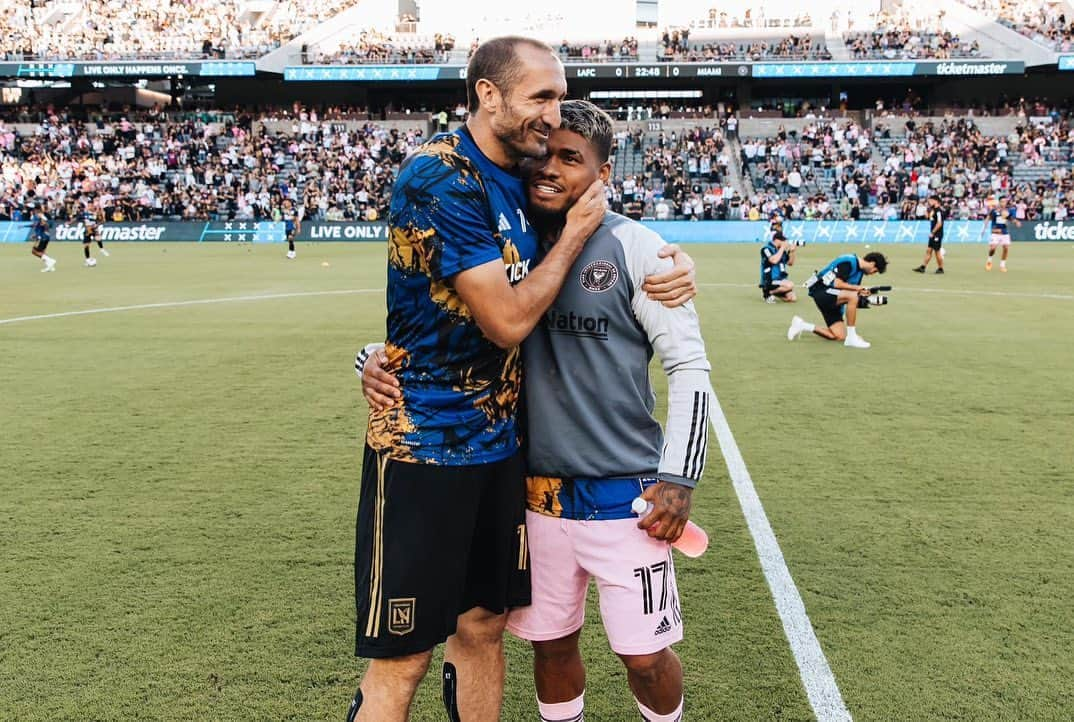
(680, 480)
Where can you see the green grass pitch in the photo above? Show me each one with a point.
(178, 489)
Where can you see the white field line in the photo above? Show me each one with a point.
(956, 292)
(199, 302)
(817, 678)
(270, 296)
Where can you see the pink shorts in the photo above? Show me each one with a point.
(998, 240)
(639, 600)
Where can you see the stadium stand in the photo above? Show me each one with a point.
(836, 169)
(396, 48)
(625, 50)
(128, 29)
(673, 175)
(675, 46)
(903, 33)
(1043, 22)
(204, 167)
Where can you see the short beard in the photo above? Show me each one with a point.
(514, 139)
(548, 224)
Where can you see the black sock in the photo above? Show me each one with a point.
(100, 244)
(85, 250)
(291, 246)
(451, 693)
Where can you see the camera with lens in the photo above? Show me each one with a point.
(875, 297)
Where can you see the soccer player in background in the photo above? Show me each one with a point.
(39, 228)
(594, 446)
(836, 289)
(91, 231)
(776, 255)
(936, 219)
(1000, 218)
(441, 520)
(292, 224)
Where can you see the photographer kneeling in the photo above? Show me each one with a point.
(835, 289)
(776, 256)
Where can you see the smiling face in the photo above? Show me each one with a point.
(557, 181)
(525, 113)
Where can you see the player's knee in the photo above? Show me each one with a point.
(479, 627)
(839, 334)
(406, 672)
(649, 669)
(556, 652)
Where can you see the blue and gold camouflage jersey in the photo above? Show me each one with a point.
(585, 499)
(999, 220)
(452, 209)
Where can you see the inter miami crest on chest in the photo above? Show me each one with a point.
(599, 276)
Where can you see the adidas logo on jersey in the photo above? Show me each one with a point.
(504, 225)
(664, 626)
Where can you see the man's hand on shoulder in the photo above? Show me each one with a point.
(678, 284)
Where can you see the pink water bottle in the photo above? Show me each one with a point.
(693, 542)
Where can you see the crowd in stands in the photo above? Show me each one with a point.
(675, 46)
(836, 169)
(374, 47)
(625, 50)
(1042, 21)
(125, 29)
(239, 165)
(904, 34)
(675, 175)
(158, 166)
(749, 17)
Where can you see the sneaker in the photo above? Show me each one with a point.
(1002, 269)
(770, 299)
(939, 271)
(90, 262)
(291, 255)
(919, 269)
(797, 326)
(103, 252)
(988, 266)
(50, 265)
(856, 342)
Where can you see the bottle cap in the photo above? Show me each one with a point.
(639, 505)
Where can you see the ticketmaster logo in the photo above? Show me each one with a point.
(142, 232)
(971, 68)
(1054, 232)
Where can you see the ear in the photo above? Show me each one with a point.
(605, 171)
(488, 95)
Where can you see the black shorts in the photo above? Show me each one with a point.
(935, 242)
(40, 244)
(771, 288)
(433, 542)
(828, 305)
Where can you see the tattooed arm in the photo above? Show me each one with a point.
(671, 510)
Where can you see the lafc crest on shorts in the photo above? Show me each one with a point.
(401, 615)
